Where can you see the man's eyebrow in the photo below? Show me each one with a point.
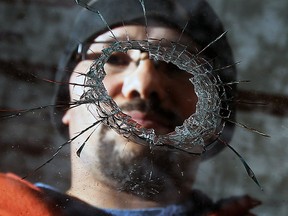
(185, 44)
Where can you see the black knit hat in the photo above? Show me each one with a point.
(203, 27)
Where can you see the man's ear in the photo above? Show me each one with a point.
(66, 118)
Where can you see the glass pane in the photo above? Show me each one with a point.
(36, 145)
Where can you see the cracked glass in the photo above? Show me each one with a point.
(233, 125)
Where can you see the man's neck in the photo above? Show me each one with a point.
(103, 196)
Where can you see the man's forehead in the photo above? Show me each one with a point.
(139, 32)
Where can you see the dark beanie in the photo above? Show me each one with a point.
(203, 26)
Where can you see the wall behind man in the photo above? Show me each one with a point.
(259, 38)
(32, 36)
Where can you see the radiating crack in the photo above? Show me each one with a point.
(198, 132)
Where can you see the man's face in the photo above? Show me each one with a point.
(155, 94)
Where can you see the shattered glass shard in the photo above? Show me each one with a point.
(195, 132)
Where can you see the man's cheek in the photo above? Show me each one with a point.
(77, 83)
(113, 85)
(185, 103)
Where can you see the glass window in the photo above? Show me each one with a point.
(208, 91)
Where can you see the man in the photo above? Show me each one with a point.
(121, 175)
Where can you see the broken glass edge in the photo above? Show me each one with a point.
(196, 130)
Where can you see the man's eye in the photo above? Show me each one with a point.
(173, 69)
(92, 55)
(119, 59)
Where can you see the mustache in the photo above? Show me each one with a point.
(153, 107)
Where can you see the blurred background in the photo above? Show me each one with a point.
(33, 34)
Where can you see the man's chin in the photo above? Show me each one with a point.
(134, 168)
(159, 129)
(124, 146)
(132, 146)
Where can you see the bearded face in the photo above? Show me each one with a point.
(156, 96)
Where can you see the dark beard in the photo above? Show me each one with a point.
(145, 175)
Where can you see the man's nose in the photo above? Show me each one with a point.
(144, 82)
